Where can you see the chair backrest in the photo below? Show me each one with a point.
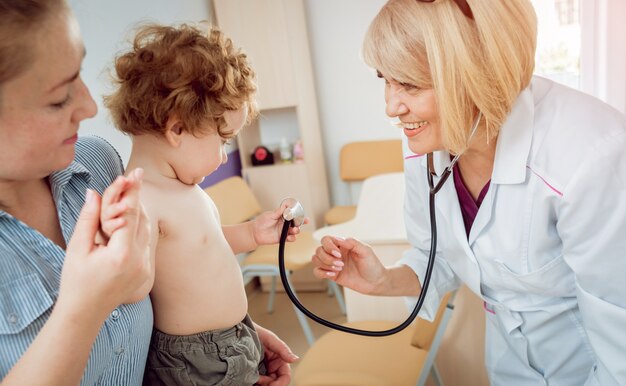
(359, 160)
(234, 200)
(425, 331)
(379, 217)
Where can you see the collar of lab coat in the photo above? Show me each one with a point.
(512, 148)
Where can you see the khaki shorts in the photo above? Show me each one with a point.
(233, 356)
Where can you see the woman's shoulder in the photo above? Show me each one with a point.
(96, 151)
(96, 154)
(570, 128)
(559, 106)
(563, 115)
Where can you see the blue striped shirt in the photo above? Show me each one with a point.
(30, 272)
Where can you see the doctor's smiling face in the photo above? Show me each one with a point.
(414, 110)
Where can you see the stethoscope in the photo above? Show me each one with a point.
(294, 216)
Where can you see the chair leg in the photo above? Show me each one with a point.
(272, 271)
(270, 302)
(338, 295)
(434, 372)
(304, 323)
(429, 363)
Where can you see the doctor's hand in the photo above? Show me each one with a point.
(350, 263)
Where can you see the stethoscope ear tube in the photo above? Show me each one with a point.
(405, 324)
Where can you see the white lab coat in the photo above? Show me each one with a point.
(547, 250)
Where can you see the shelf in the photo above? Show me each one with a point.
(277, 166)
(273, 34)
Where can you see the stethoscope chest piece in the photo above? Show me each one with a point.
(293, 212)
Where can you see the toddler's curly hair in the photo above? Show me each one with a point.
(183, 71)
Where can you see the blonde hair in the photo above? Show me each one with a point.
(181, 71)
(480, 64)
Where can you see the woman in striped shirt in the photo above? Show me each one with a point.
(71, 311)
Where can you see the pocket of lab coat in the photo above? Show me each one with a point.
(554, 278)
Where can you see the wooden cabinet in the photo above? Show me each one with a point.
(260, 27)
(273, 34)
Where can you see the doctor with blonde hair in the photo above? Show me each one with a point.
(533, 217)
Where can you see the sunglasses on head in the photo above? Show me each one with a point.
(463, 6)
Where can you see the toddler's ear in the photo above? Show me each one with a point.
(173, 131)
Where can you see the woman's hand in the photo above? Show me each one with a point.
(278, 356)
(267, 227)
(112, 208)
(97, 278)
(350, 263)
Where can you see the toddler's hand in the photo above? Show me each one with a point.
(267, 227)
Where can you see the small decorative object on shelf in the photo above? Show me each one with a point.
(285, 151)
(262, 156)
(298, 152)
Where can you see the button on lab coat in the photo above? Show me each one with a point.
(547, 250)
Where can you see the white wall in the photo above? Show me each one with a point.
(107, 26)
(350, 96)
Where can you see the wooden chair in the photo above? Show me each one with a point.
(236, 203)
(360, 160)
(406, 358)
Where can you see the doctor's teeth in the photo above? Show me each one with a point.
(415, 125)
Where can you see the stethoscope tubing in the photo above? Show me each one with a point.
(433, 189)
(356, 331)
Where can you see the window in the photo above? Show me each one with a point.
(567, 11)
(558, 41)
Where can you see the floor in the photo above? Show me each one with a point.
(283, 320)
(459, 358)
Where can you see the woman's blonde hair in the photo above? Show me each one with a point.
(472, 64)
(184, 71)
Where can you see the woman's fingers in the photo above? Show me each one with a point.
(113, 210)
(110, 226)
(327, 261)
(114, 192)
(115, 204)
(352, 246)
(322, 271)
(330, 245)
(133, 210)
(118, 270)
(87, 225)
